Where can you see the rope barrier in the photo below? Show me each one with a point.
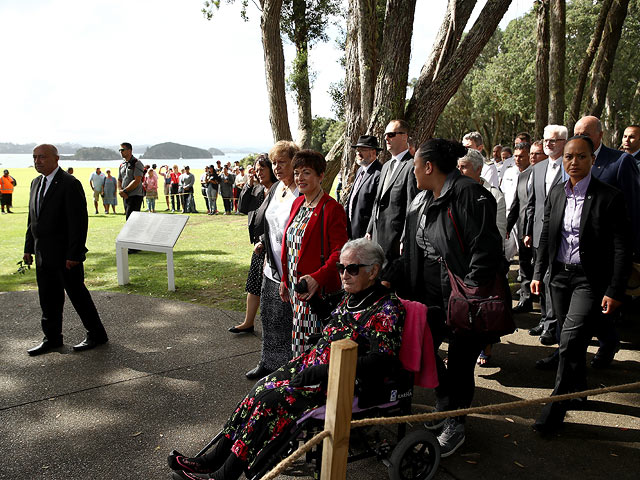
(422, 417)
(287, 462)
(492, 408)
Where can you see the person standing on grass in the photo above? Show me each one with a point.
(130, 180)
(96, 180)
(110, 189)
(150, 185)
(187, 181)
(7, 182)
(56, 234)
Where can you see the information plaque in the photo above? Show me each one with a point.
(154, 232)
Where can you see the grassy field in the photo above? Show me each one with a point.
(211, 257)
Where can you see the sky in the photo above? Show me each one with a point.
(100, 72)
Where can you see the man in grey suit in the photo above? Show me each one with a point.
(365, 185)
(544, 176)
(395, 192)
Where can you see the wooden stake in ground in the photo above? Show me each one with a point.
(342, 374)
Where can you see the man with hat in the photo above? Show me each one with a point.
(365, 186)
(7, 182)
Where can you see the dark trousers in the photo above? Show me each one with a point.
(525, 261)
(576, 306)
(132, 204)
(547, 315)
(52, 283)
(175, 198)
(206, 199)
(228, 204)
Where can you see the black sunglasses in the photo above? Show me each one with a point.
(352, 269)
(393, 134)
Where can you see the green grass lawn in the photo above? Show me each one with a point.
(211, 256)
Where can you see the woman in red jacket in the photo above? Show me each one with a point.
(314, 235)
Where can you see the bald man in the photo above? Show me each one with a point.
(56, 235)
(631, 142)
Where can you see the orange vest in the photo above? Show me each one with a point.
(6, 184)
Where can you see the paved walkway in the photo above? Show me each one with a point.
(171, 374)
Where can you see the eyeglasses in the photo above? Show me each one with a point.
(552, 141)
(122, 149)
(352, 269)
(393, 134)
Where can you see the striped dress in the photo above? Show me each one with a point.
(305, 323)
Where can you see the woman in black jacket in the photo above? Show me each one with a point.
(451, 223)
(252, 203)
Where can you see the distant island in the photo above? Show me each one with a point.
(215, 151)
(170, 151)
(94, 153)
(63, 148)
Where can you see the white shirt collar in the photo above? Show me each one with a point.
(401, 155)
(52, 174)
(597, 150)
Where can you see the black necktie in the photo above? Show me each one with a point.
(43, 185)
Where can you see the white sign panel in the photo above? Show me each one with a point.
(158, 229)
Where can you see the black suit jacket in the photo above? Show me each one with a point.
(518, 211)
(605, 238)
(363, 199)
(59, 233)
(390, 206)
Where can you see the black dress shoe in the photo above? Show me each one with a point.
(523, 307)
(242, 330)
(548, 338)
(257, 372)
(604, 357)
(88, 343)
(536, 331)
(548, 363)
(44, 347)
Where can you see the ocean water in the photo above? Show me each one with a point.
(25, 160)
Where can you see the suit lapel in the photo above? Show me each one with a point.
(51, 190)
(402, 164)
(313, 221)
(586, 206)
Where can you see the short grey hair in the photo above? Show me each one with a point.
(366, 251)
(474, 157)
(475, 137)
(561, 130)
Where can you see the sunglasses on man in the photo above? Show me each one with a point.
(393, 134)
(352, 269)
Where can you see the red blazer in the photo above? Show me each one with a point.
(334, 236)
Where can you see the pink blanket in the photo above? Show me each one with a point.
(416, 352)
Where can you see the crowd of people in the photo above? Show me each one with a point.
(428, 225)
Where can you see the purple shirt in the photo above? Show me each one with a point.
(569, 251)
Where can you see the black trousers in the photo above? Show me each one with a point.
(52, 283)
(132, 204)
(548, 317)
(204, 194)
(525, 261)
(175, 198)
(577, 308)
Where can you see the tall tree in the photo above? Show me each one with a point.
(542, 66)
(557, 60)
(605, 59)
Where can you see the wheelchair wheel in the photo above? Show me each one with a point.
(416, 457)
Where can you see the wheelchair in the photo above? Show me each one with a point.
(415, 455)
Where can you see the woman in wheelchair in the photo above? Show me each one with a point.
(368, 314)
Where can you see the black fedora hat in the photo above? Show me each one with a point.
(367, 141)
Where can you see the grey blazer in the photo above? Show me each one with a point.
(537, 198)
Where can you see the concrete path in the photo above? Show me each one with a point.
(171, 375)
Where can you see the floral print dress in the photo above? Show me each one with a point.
(273, 405)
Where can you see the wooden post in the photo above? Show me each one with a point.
(342, 374)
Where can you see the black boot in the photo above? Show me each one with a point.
(209, 462)
(231, 470)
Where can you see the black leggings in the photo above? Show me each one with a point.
(175, 198)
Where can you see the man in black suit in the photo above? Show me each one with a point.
(586, 244)
(620, 170)
(396, 190)
(518, 217)
(56, 234)
(363, 192)
(544, 176)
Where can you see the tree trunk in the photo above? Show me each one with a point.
(300, 74)
(557, 54)
(391, 84)
(274, 69)
(429, 100)
(333, 164)
(603, 65)
(542, 67)
(367, 33)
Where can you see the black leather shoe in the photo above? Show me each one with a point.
(44, 347)
(536, 331)
(547, 363)
(548, 338)
(242, 330)
(523, 307)
(257, 372)
(88, 343)
(604, 357)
